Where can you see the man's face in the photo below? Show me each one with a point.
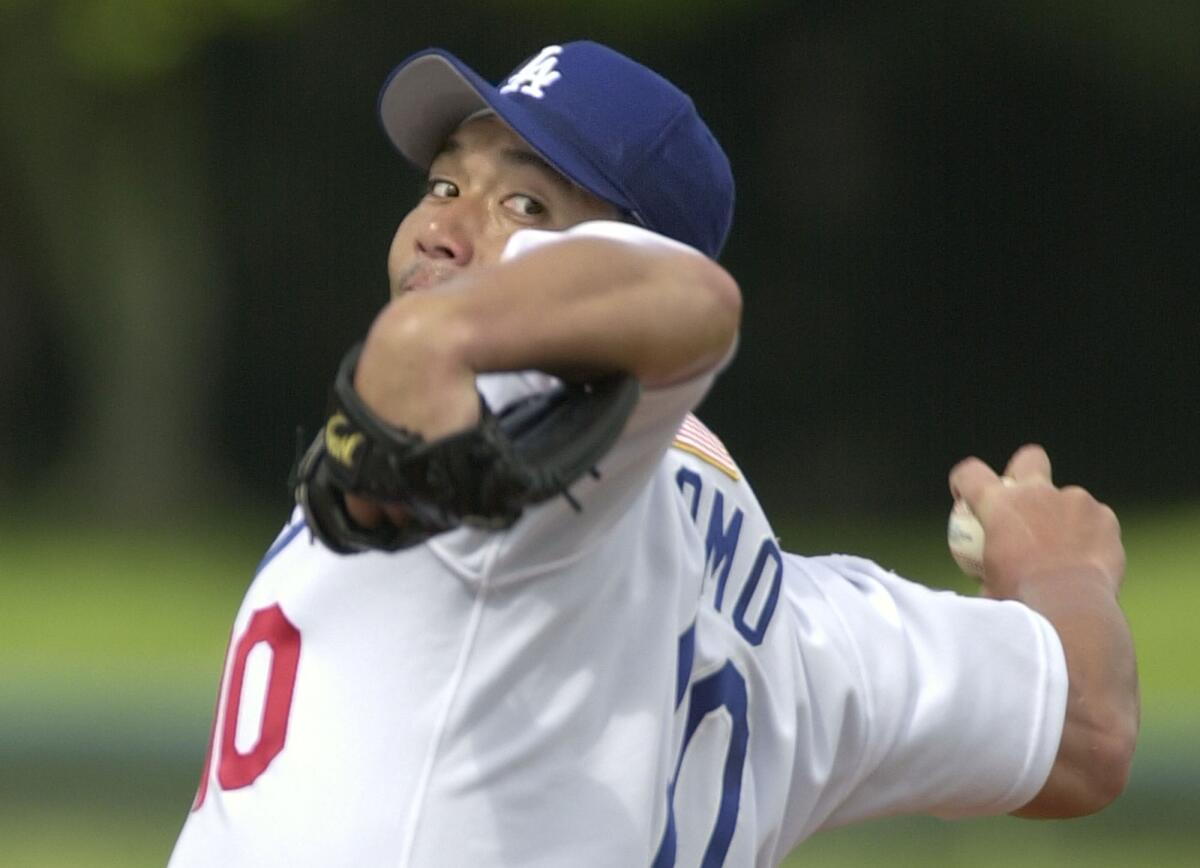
(484, 185)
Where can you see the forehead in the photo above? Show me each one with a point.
(489, 137)
(484, 131)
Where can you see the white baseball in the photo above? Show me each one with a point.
(964, 534)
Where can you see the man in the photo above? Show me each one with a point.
(497, 698)
(555, 693)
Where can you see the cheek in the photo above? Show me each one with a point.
(400, 253)
(488, 243)
(489, 248)
(583, 209)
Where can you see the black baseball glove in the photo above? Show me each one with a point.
(484, 476)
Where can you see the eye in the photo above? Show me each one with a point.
(524, 205)
(440, 188)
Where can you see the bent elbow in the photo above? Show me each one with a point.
(702, 312)
(720, 296)
(726, 292)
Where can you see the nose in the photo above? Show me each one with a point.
(449, 233)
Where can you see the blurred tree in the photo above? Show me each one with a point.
(105, 118)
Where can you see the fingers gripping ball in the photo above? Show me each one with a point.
(964, 535)
(484, 476)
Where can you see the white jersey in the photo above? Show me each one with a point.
(487, 698)
(823, 691)
(650, 682)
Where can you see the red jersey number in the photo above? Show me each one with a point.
(237, 769)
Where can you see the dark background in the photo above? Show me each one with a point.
(957, 230)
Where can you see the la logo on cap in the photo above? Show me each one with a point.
(539, 73)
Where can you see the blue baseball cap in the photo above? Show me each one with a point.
(611, 125)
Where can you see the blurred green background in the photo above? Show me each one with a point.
(960, 227)
(111, 646)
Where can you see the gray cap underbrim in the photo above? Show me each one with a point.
(423, 103)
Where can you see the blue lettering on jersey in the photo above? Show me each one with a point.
(686, 479)
(724, 690)
(721, 544)
(768, 552)
(687, 654)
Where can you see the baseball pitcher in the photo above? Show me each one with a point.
(462, 650)
(509, 625)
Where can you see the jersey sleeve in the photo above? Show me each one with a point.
(946, 705)
(554, 533)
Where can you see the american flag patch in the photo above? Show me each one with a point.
(695, 439)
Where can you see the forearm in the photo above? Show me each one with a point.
(1102, 715)
(1058, 550)
(577, 307)
(586, 304)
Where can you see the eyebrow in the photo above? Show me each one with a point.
(520, 157)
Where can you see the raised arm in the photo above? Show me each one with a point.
(579, 306)
(1058, 550)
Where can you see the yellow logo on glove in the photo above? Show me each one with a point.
(340, 445)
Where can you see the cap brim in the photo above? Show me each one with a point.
(425, 99)
(431, 93)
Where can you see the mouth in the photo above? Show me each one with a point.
(423, 275)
